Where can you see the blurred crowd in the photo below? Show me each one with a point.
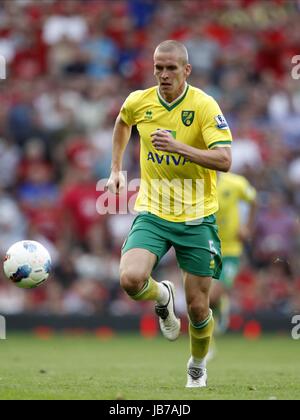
(70, 65)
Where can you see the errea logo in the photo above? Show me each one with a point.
(148, 114)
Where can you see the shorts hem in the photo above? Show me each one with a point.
(195, 273)
(125, 249)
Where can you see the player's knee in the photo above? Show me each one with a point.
(198, 310)
(132, 280)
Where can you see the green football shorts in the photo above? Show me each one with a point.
(231, 267)
(197, 246)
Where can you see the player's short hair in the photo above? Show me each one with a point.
(170, 46)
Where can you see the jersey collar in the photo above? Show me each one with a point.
(177, 101)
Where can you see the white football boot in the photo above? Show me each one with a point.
(169, 323)
(196, 378)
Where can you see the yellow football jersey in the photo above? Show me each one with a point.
(232, 189)
(172, 187)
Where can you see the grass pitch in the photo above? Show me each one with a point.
(131, 367)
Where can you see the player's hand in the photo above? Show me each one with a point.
(164, 141)
(115, 183)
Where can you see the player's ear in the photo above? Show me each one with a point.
(188, 70)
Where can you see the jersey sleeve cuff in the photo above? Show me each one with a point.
(220, 143)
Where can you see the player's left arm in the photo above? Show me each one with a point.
(218, 158)
(215, 133)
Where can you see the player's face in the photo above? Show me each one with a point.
(171, 74)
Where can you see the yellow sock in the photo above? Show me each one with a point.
(150, 291)
(200, 336)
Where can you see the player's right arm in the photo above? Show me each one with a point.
(121, 136)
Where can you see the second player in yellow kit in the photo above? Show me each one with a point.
(233, 190)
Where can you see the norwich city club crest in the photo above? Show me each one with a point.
(187, 117)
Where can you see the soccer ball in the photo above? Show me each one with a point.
(27, 264)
